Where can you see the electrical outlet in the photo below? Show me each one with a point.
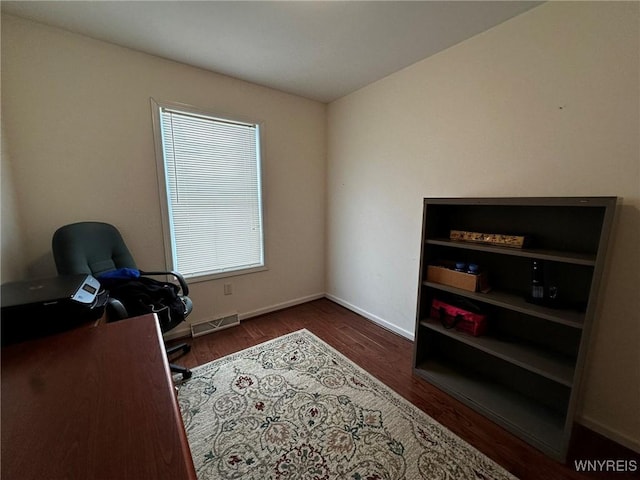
(228, 290)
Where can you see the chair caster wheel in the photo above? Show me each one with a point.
(187, 375)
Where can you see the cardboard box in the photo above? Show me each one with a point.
(462, 280)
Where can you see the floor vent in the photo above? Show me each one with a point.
(210, 326)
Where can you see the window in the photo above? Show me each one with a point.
(209, 175)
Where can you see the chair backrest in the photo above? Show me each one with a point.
(90, 247)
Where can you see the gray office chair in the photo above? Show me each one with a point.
(96, 248)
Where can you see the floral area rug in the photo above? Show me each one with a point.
(294, 408)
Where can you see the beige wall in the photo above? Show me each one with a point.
(79, 136)
(546, 104)
(13, 268)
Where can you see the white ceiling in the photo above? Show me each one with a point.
(321, 50)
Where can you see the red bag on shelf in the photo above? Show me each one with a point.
(462, 320)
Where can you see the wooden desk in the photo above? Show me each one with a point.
(93, 403)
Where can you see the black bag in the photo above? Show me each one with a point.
(144, 295)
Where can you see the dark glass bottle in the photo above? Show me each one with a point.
(537, 281)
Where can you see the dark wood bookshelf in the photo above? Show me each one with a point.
(524, 373)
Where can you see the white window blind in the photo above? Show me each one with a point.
(212, 176)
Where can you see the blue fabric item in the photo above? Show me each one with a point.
(121, 273)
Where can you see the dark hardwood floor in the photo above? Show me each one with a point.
(388, 357)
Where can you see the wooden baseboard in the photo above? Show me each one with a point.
(370, 316)
(184, 331)
(610, 434)
(281, 306)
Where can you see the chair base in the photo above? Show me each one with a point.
(183, 349)
(185, 372)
